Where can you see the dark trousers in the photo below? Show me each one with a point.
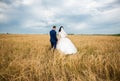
(53, 44)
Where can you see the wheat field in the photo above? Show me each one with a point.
(29, 58)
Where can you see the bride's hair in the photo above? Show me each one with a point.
(60, 28)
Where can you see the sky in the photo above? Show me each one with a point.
(76, 16)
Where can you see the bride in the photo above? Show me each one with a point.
(64, 44)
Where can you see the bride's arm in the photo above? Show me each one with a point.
(58, 36)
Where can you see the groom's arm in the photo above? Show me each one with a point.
(56, 36)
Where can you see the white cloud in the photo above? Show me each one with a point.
(34, 24)
(3, 18)
(80, 26)
(107, 16)
(28, 2)
(44, 13)
(3, 6)
(41, 12)
(3, 15)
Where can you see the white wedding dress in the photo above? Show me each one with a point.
(64, 44)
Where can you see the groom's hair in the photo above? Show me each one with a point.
(54, 26)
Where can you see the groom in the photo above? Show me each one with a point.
(53, 37)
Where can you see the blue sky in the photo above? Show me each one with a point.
(77, 16)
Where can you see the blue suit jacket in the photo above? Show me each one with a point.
(53, 36)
